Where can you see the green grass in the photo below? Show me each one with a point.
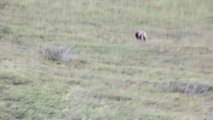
(112, 76)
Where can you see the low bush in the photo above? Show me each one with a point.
(183, 87)
(58, 53)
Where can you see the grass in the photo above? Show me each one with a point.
(112, 76)
(58, 53)
(187, 88)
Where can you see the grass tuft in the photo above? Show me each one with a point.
(58, 53)
(186, 88)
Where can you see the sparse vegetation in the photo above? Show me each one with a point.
(187, 88)
(55, 53)
(113, 77)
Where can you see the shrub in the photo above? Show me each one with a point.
(181, 87)
(58, 53)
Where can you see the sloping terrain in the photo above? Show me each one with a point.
(110, 75)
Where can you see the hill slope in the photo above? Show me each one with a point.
(111, 75)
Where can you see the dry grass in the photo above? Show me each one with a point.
(112, 76)
(187, 88)
(58, 53)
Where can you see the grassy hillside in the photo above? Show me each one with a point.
(111, 76)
